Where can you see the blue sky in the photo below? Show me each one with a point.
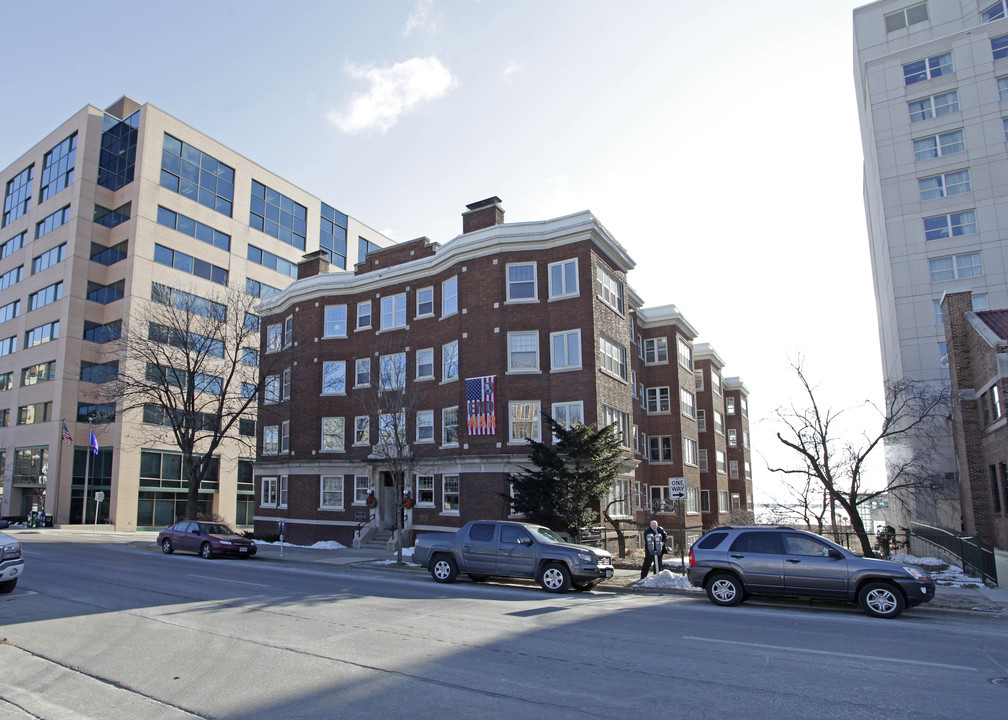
(718, 142)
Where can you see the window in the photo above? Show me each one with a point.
(335, 321)
(568, 413)
(8, 346)
(10, 311)
(362, 487)
(450, 494)
(109, 256)
(364, 247)
(36, 413)
(333, 377)
(687, 403)
(425, 490)
(935, 106)
(89, 372)
(197, 175)
(563, 279)
(698, 383)
(45, 296)
(719, 461)
(333, 235)
(994, 12)
(613, 357)
(49, 258)
(703, 460)
(11, 277)
(269, 492)
(956, 266)
(95, 413)
(692, 501)
(991, 401)
(392, 371)
(733, 469)
(660, 448)
(689, 451)
(685, 351)
(521, 282)
(999, 46)
(285, 436)
(276, 214)
(362, 430)
(189, 264)
(565, 350)
(524, 420)
(610, 290)
(980, 302)
(612, 416)
(942, 354)
(13, 245)
(658, 400)
(655, 351)
(271, 395)
(42, 334)
(393, 312)
(425, 426)
(333, 437)
(112, 218)
(944, 185)
(259, 289)
(181, 299)
(450, 426)
(523, 351)
(932, 67)
(730, 405)
(718, 423)
(102, 333)
(449, 296)
(17, 198)
(705, 501)
(362, 372)
(906, 17)
(274, 338)
(58, 168)
(732, 438)
(425, 364)
(449, 361)
(250, 357)
(950, 225)
(715, 382)
(331, 492)
(222, 241)
(947, 143)
(50, 223)
(701, 420)
(363, 314)
(425, 302)
(44, 372)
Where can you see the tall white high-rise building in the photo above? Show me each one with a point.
(104, 210)
(932, 91)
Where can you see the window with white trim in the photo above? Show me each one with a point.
(715, 381)
(701, 420)
(934, 106)
(285, 436)
(732, 437)
(906, 17)
(425, 490)
(271, 439)
(613, 357)
(563, 279)
(723, 501)
(334, 377)
(333, 434)
(567, 414)
(450, 426)
(425, 364)
(718, 423)
(362, 488)
(425, 302)
(450, 494)
(285, 385)
(450, 361)
(944, 185)
(703, 460)
(994, 12)
(363, 314)
(425, 426)
(523, 420)
(392, 371)
(928, 69)
(331, 492)
(268, 497)
(947, 143)
(362, 372)
(271, 393)
(685, 353)
(687, 403)
(393, 312)
(610, 290)
(953, 267)
(335, 324)
(288, 338)
(656, 351)
(730, 405)
(733, 469)
(274, 338)
(660, 448)
(999, 46)
(705, 501)
(523, 351)
(521, 282)
(362, 430)
(719, 458)
(692, 501)
(698, 382)
(949, 225)
(449, 296)
(565, 350)
(612, 416)
(658, 400)
(689, 451)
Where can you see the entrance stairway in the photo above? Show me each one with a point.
(377, 541)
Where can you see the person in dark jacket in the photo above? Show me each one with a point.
(655, 542)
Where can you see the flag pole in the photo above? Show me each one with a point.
(87, 473)
(59, 472)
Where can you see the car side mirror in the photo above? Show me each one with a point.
(836, 554)
(4, 524)
(525, 541)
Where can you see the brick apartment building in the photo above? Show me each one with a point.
(534, 317)
(977, 344)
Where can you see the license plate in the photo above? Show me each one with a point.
(243, 549)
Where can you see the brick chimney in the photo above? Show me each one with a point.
(482, 214)
(314, 263)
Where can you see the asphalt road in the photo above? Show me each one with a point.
(97, 628)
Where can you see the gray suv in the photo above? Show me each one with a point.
(732, 563)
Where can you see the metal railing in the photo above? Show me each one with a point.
(974, 555)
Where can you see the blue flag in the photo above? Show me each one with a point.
(94, 443)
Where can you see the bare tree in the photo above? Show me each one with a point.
(805, 501)
(394, 405)
(909, 425)
(188, 364)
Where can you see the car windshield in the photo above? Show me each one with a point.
(547, 535)
(214, 529)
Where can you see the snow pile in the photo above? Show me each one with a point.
(940, 571)
(665, 580)
(320, 545)
(407, 556)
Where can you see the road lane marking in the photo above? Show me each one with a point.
(870, 658)
(240, 582)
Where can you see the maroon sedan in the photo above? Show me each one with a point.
(206, 538)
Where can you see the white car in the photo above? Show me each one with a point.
(11, 562)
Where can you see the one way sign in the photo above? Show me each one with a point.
(676, 488)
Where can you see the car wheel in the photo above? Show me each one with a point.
(478, 578)
(881, 600)
(444, 569)
(724, 589)
(585, 586)
(166, 546)
(555, 578)
(206, 550)
(8, 585)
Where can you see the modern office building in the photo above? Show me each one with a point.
(483, 336)
(932, 93)
(106, 207)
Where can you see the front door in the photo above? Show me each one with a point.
(516, 553)
(387, 503)
(809, 569)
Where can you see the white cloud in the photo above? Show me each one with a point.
(511, 70)
(418, 18)
(393, 91)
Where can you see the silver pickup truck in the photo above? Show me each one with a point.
(11, 562)
(487, 548)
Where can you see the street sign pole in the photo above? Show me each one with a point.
(677, 491)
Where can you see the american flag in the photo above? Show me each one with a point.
(481, 396)
(67, 436)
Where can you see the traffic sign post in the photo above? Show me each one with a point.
(677, 491)
(99, 497)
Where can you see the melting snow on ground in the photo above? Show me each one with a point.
(665, 580)
(320, 545)
(940, 571)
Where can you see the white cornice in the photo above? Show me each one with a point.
(653, 317)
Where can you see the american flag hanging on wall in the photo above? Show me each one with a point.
(481, 405)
